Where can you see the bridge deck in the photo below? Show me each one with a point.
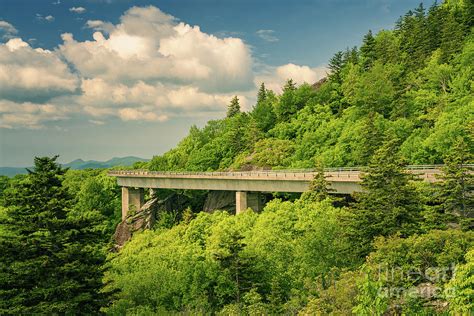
(342, 180)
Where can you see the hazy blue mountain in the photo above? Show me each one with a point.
(12, 171)
(79, 164)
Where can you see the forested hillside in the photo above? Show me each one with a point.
(413, 83)
(400, 247)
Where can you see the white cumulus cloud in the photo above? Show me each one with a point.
(29, 115)
(150, 45)
(28, 74)
(275, 77)
(267, 35)
(101, 98)
(98, 25)
(47, 18)
(147, 67)
(78, 10)
(7, 29)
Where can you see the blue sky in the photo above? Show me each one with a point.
(95, 79)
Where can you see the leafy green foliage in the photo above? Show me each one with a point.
(339, 297)
(369, 300)
(421, 266)
(219, 261)
(97, 194)
(460, 290)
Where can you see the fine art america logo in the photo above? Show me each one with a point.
(406, 282)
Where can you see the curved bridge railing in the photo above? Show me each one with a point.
(283, 173)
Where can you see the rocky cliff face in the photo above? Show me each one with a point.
(151, 210)
(142, 219)
(220, 200)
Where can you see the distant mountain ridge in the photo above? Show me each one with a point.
(80, 164)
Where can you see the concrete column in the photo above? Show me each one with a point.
(132, 199)
(240, 202)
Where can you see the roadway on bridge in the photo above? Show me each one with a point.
(342, 180)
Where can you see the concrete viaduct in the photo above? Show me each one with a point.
(247, 185)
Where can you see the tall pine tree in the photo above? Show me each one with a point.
(319, 189)
(351, 55)
(262, 93)
(367, 51)
(456, 189)
(234, 107)
(263, 113)
(388, 204)
(287, 107)
(50, 262)
(452, 35)
(336, 63)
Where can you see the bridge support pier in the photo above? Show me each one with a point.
(240, 202)
(132, 199)
(244, 200)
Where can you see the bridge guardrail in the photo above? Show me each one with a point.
(275, 173)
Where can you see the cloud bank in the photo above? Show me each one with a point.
(148, 67)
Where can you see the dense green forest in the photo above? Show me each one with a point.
(401, 246)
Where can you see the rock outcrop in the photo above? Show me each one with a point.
(136, 221)
(148, 214)
(220, 200)
(317, 85)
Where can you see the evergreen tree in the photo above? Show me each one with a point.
(387, 47)
(336, 63)
(234, 107)
(236, 134)
(367, 50)
(415, 37)
(319, 189)
(237, 265)
(468, 15)
(456, 189)
(420, 32)
(287, 107)
(388, 204)
(262, 93)
(371, 139)
(50, 262)
(434, 21)
(351, 56)
(452, 35)
(263, 112)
